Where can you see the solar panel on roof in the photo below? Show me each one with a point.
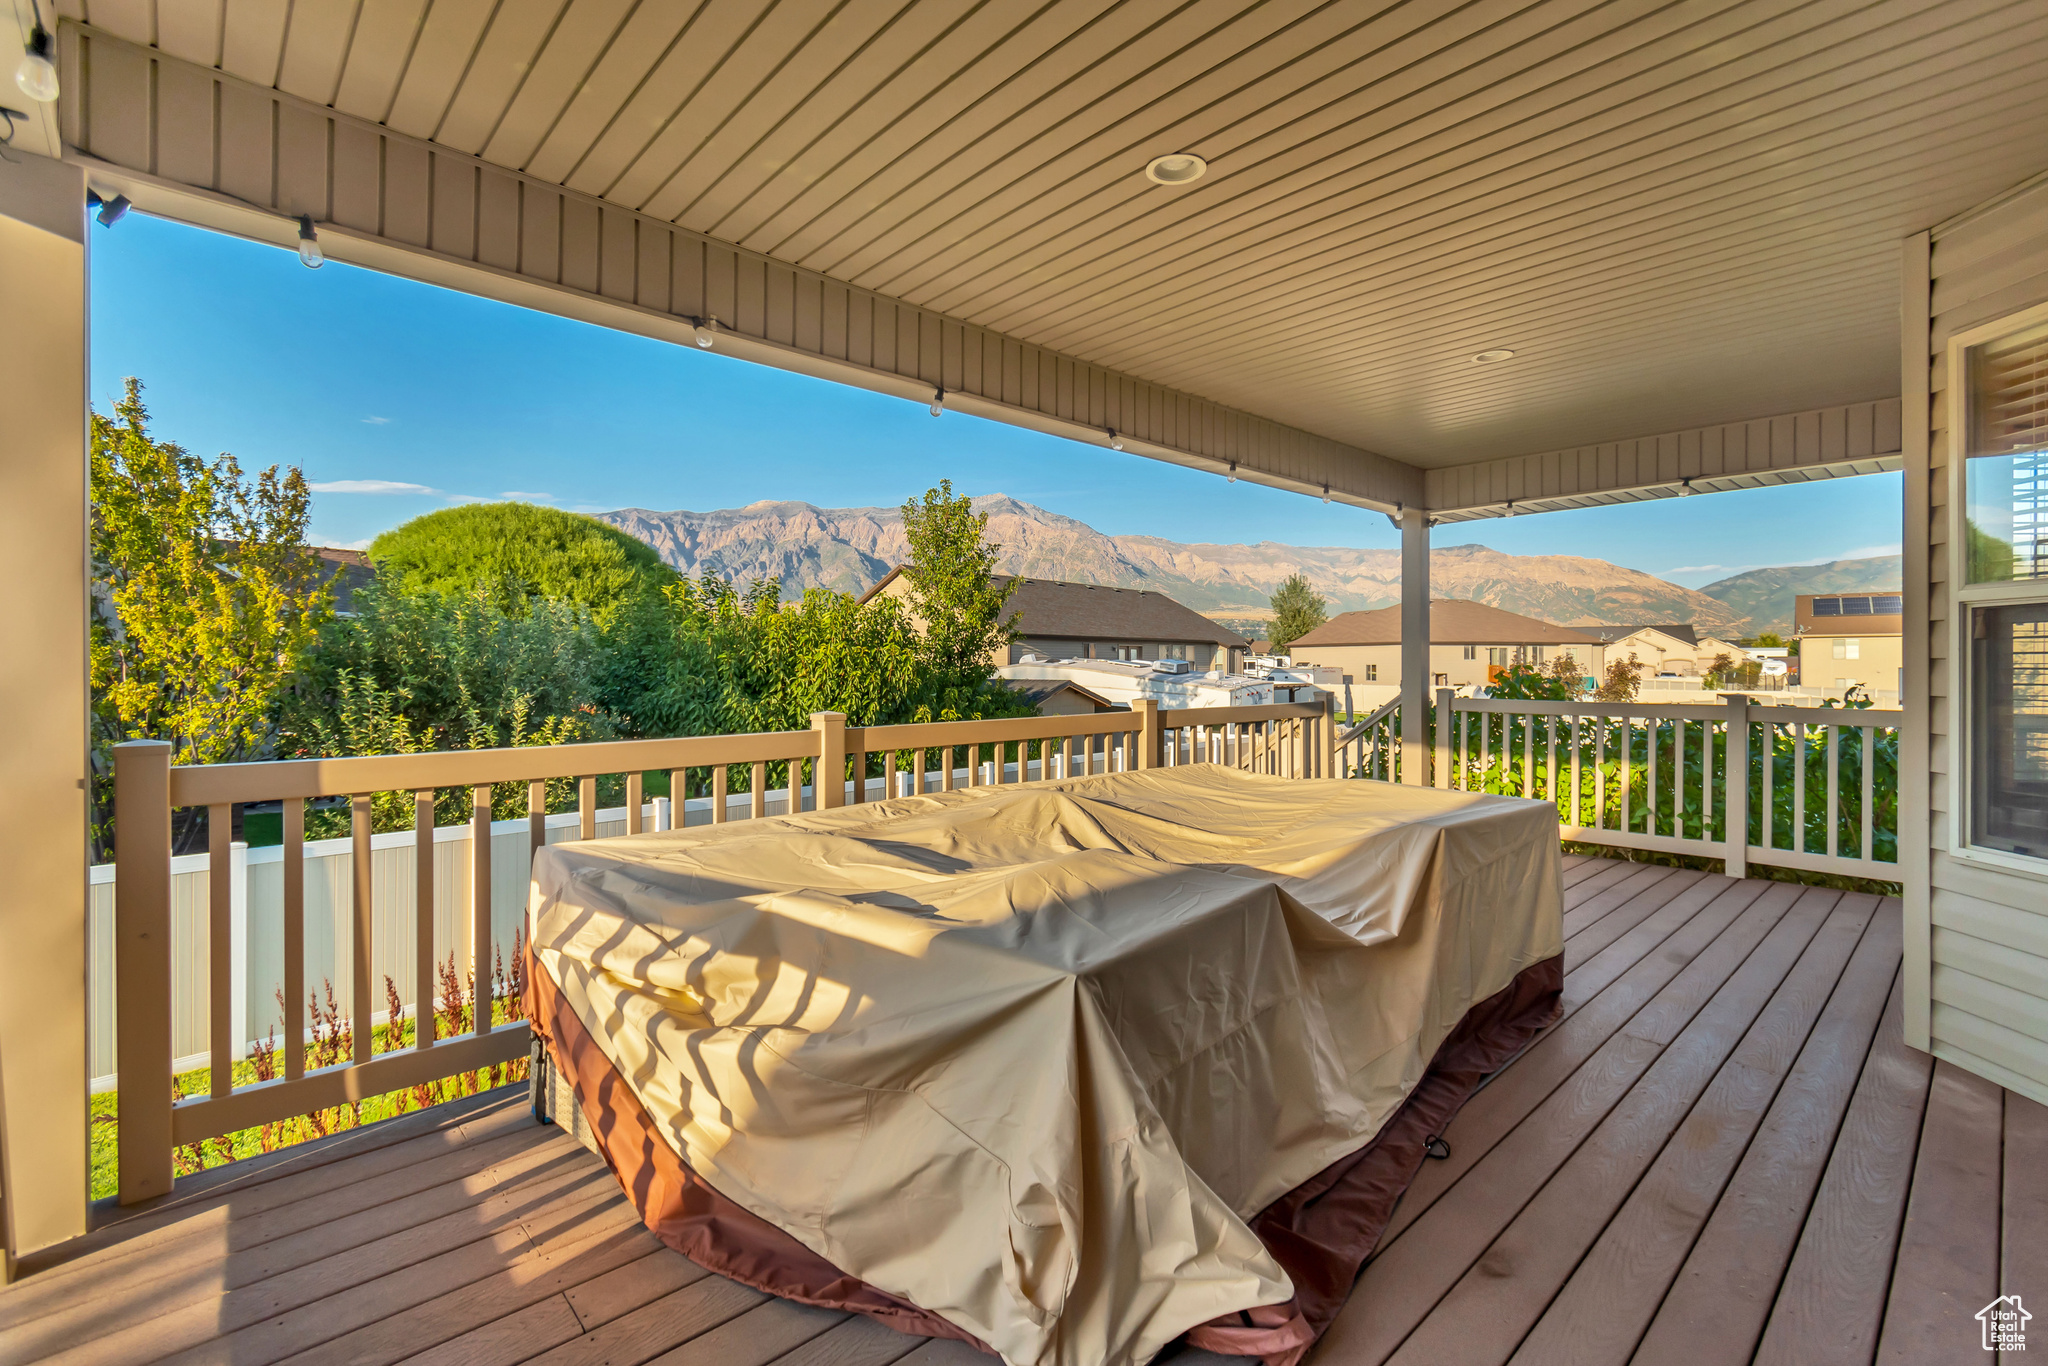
(1855, 607)
(1827, 607)
(1892, 606)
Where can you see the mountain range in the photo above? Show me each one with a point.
(850, 549)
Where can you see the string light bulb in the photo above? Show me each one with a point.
(310, 254)
(1685, 488)
(705, 332)
(1326, 493)
(938, 402)
(1116, 443)
(1233, 471)
(1509, 511)
(37, 74)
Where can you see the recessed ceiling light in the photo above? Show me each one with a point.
(1489, 357)
(1175, 168)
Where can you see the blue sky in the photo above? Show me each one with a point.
(398, 398)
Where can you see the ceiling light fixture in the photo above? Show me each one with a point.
(1116, 443)
(309, 244)
(938, 402)
(706, 330)
(37, 74)
(1489, 357)
(1176, 168)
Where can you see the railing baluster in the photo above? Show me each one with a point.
(1550, 758)
(1866, 827)
(1628, 759)
(1577, 808)
(1528, 755)
(633, 800)
(1799, 787)
(1832, 757)
(480, 908)
(1770, 792)
(423, 918)
(361, 1034)
(757, 790)
(586, 808)
(1650, 792)
(220, 948)
(1600, 772)
(294, 938)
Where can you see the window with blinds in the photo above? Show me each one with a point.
(2007, 470)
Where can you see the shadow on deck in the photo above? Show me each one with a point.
(1723, 1153)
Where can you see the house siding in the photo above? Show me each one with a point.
(1976, 934)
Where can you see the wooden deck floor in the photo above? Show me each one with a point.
(1722, 1154)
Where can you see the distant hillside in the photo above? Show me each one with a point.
(1763, 597)
(849, 549)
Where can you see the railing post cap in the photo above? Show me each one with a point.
(143, 745)
(822, 720)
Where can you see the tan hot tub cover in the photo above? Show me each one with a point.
(1034, 1059)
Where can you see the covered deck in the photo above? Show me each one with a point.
(1723, 1153)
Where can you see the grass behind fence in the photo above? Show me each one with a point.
(331, 1042)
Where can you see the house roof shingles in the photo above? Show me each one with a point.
(1049, 609)
(1609, 634)
(1452, 621)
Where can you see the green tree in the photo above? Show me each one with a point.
(519, 553)
(414, 671)
(205, 601)
(1623, 677)
(1297, 610)
(955, 596)
(1558, 682)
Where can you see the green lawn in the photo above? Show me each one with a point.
(106, 1109)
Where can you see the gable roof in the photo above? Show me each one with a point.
(1057, 610)
(1452, 621)
(1679, 631)
(1039, 691)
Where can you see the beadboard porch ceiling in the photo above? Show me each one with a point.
(1674, 214)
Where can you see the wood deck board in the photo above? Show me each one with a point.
(1723, 1147)
(1526, 1258)
(1948, 1250)
(1602, 1311)
(1718, 1304)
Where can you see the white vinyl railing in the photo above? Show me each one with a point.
(1809, 788)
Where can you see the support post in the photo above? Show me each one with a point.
(1440, 773)
(1326, 752)
(1415, 676)
(44, 804)
(1918, 833)
(1151, 733)
(142, 966)
(828, 779)
(1735, 790)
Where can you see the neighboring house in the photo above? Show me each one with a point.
(1671, 648)
(1470, 643)
(1059, 620)
(1850, 639)
(1060, 696)
(347, 572)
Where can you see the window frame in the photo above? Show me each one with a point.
(1966, 597)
